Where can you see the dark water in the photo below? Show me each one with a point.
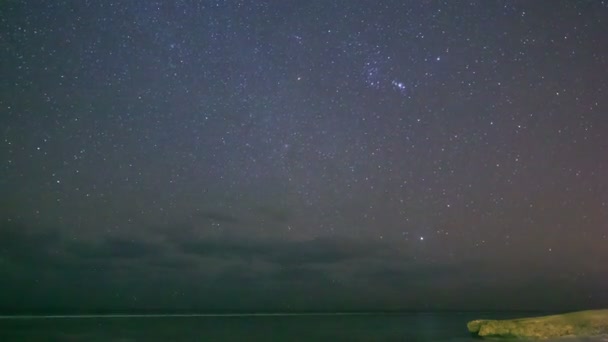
(373, 327)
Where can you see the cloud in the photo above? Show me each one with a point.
(116, 247)
(276, 214)
(50, 248)
(286, 253)
(218, 216)
(21, 243)
(238, 272)
(223, 248)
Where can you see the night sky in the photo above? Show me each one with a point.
(284, 155)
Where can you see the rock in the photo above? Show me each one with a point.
(575, 324)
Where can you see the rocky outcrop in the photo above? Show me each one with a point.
(574, 324)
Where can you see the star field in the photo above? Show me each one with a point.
(304, 155)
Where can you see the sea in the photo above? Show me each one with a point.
(411, 327)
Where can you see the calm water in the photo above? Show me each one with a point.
(373, 327)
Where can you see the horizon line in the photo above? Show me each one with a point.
(253, 314)
(261, 314)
